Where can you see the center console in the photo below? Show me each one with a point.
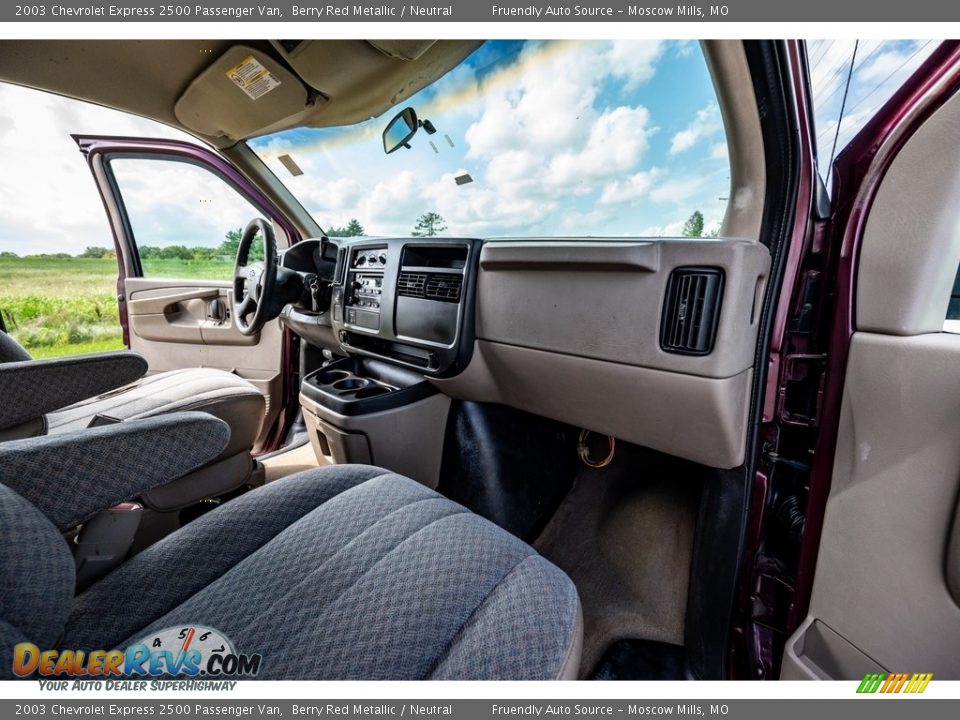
(402, 310)
(406, 301)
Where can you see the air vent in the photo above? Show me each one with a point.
(445, 287)
(691, 310)
(411, 284)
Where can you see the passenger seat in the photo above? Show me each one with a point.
(68, 394)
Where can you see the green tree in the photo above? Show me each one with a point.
(176, 252)
(231, 243)
(693, 227)
(428, 225)
(96, 252)
(8, 255)
(351, 229)
(203, 253)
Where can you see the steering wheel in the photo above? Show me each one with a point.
(253, 283)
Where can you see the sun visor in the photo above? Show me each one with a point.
(242, 94)
(365, 78)
(403, 49)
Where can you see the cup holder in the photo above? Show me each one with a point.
(329, 377)
(372, 391)
(350, 383)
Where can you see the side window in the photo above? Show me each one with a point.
(186, 221)
(850, 80)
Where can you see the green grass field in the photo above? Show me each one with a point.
(68, 306)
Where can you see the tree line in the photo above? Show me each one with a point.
(430, 224)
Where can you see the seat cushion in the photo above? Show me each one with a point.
(216, 392)
(347, 572)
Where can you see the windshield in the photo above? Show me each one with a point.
(593, 138)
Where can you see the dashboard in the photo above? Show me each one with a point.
(648, 340)
(405, 300)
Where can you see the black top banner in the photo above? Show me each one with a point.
(480, 10)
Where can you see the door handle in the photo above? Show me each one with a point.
(217, 311)
(163, 304)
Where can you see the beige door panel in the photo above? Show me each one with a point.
(183, 314)
(170, 326)
(156, 302)
(888, 535)
(216, 332)
(815, 652)
(169, 316)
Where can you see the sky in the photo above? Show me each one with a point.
(596, 138)
(879, 68)
(560, 138)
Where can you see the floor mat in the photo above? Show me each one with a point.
(624, 534)
(641, 660)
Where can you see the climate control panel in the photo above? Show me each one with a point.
(370, 259)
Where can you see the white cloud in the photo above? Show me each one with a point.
(889, 62)
(617, 142)
(671, 229)
(679, 191)
(173, 203)
(551, 105)
(50, 202)
(705, 123)
(631, 189)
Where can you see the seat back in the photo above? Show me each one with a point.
(11, 350)
(37, 579)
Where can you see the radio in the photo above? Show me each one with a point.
(365, 290)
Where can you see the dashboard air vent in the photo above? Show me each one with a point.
(444, 287)
(691, 310)
(411, 284)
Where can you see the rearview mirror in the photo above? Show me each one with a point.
(403, 127)
(400, 130)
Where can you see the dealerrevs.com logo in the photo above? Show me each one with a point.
(192, 651)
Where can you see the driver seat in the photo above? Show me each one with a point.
(215, 392)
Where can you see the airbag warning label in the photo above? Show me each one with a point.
(253, 78)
